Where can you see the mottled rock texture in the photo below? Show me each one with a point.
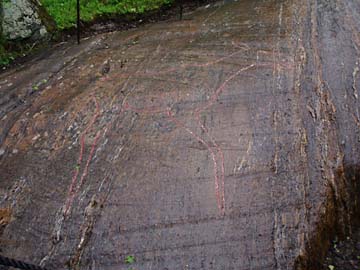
(25, 19)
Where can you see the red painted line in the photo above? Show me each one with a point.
(221, 196)
(72, 188)
(217, 154)
(81, 182)
(212, 100)
(213, 155)
(217, 157)
(221, 88)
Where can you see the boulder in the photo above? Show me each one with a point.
(25, 19)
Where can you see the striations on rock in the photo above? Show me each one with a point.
(228, 140)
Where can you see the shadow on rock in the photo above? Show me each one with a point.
(339, 218)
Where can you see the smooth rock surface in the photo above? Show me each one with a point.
(228, 140)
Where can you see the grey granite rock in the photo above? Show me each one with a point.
(22, 19)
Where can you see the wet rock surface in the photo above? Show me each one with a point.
(228, 140)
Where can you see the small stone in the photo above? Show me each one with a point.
(15, 151)
(36, 137)
(2, 151)
(43, 31)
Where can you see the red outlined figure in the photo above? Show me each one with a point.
(214, 149)
(219, 191)
(163, 106)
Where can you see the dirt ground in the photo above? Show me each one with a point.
(344, 254)
(228, 140)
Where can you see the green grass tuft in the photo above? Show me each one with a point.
(64, 11)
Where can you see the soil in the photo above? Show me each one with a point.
(344, 254)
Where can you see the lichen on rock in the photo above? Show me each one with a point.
(24, 19)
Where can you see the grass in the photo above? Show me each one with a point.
(64, 11)
(64, 14)
(9, 51)
(5, 57)
(129, 259)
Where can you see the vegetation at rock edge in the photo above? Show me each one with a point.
(64, 11)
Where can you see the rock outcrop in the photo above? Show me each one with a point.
(25, 19)
(228, 140)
